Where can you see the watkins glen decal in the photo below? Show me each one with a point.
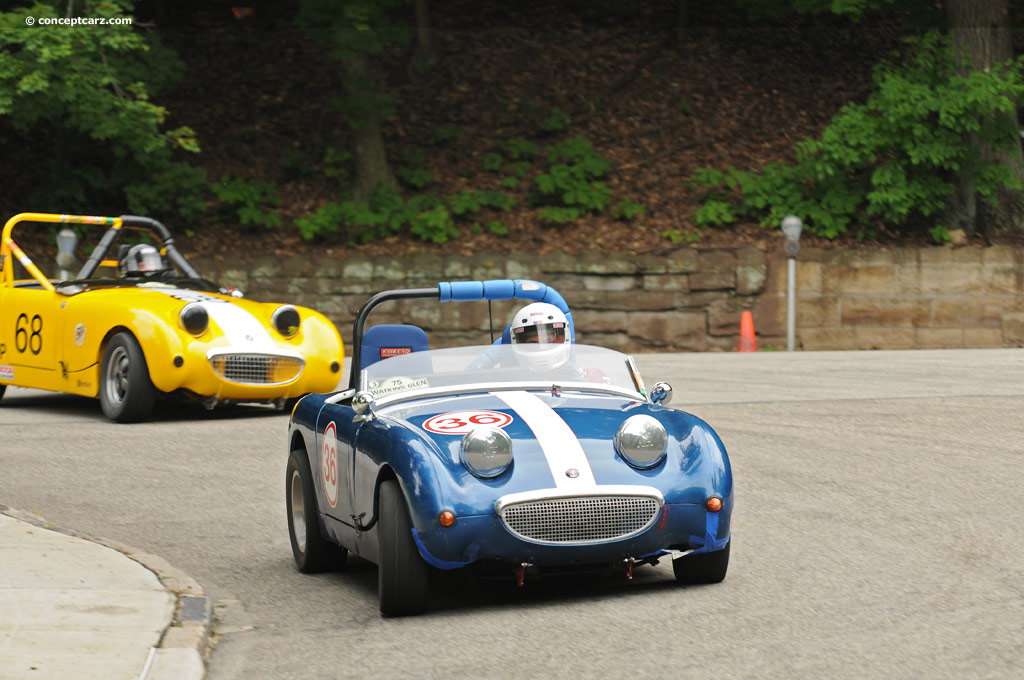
(329, 464)
(461, 422)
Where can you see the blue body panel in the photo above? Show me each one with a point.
(433, 479)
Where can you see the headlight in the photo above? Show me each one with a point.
(286, 320)
(641, 441)
(486, 451)
(194, 318)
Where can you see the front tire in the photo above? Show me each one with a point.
(126, 393)
(403, 576)
(312, 553)
(707, 567)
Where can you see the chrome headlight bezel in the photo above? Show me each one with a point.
(642, 441)
(194, 318)
(286, 320)
(486, 452)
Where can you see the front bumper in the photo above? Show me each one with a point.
(678, 527)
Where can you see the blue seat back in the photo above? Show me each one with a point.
(388, 340)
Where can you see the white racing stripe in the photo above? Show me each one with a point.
(559, 443)
(243, 330)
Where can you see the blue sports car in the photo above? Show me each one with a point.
(528, 454)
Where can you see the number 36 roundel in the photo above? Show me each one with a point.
(461, 422)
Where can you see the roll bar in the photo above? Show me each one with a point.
(457, 291)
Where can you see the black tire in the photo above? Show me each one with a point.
(126, 392)
(312, 552)
(403, 576)
(707, 567)
(3, 388)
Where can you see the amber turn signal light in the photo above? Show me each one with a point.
(713, 504)
(446, 518)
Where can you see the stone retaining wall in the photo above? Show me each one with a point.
(691, 299)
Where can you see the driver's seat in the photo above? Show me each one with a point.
(389, 340)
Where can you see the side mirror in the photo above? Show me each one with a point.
(363, 404)
(661, 393)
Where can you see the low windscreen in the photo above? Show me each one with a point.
(497, 365)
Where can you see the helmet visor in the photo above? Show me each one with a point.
(546, 333)
(150, 261)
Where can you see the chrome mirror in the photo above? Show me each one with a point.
(362, 404)
(661, 393)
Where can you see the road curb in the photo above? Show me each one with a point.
(181, 651)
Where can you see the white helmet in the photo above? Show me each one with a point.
(540, 336)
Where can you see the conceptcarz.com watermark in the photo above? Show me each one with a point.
(79, 21)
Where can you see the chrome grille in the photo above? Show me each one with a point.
(256, 369)
(585, 519)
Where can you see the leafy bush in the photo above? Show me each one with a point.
(89, 88)
(890, 160)
(570, 187)
(249, 202)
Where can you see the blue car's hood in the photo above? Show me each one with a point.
(563, 441)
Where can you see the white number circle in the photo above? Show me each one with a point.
(461, 422)
(329, 464)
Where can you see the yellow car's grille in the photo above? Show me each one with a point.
(581, 520)
(256, 369)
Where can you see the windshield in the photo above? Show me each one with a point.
(493, 366)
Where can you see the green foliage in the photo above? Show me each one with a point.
(414, 175)
(890, 160)
(518, 148)
(681, 236)
(556, 121)
(427, 216)
(571, 186)
(492, 162)
(89, 88)
(443, 134)
(336, 164)
(940, 234)
(249, 202)
(627, 210)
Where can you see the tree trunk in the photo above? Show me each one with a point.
(982, 28)
(372, 170)
(426, 53)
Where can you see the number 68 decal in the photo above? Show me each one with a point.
(461, 422)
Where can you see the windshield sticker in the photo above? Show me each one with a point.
(388, 352)
(382, 388)
(461, 422)
(6, 372)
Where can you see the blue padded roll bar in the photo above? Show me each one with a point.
(506, 289)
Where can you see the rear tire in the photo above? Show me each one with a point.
(313, 554)
(126, 393)
(707, 567)
(3, 388)
(403, 576)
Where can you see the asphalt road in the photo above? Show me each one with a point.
(879, 533)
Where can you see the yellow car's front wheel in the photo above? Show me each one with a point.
(126, 393)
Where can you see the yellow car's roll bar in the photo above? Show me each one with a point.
(114, 224)
(8, 246)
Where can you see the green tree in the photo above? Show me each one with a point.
(88, 87)
(988, 163)
(357, 30)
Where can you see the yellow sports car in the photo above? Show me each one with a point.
(138, 322)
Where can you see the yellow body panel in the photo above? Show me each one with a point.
(54, 337)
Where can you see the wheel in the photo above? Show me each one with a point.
(126, 393)
(402, 574)
(313, 554)
(3, 388)
(707, 567)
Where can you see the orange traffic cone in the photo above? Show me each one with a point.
(748, 342)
